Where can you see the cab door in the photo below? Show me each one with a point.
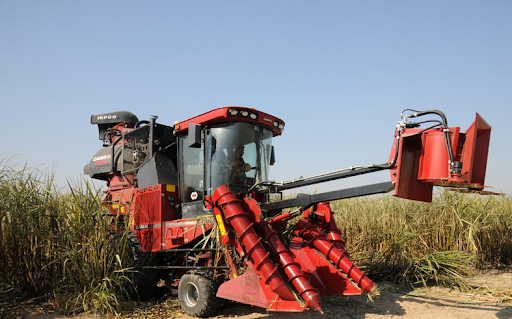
(191, 177)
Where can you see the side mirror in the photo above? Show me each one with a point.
(272, 156)
(194, 135)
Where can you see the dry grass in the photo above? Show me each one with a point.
(53, 243)
(425, 243)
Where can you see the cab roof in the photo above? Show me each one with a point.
(228, 114)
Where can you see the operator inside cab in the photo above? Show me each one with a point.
(238, 154)
(238, 166)
(232, 167)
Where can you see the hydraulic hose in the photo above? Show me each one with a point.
(446, 131)
(421, 113)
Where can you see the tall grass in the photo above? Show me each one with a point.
(427, 242)
(53, 242)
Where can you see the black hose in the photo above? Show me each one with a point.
(393, 162)
(437, 112)
(446, 129)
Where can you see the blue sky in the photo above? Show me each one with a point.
(338, 73)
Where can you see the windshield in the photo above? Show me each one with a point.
(238, 155)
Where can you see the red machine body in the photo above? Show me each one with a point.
(423, 159)
(199, 227)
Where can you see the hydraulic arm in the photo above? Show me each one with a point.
(420, 159)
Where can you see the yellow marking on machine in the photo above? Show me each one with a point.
(220, 222)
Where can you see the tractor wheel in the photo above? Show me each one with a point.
(197, 294)
(143, 282)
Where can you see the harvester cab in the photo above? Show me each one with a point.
(196, 199)
(226, 146)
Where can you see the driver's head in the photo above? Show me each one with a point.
(239, 151)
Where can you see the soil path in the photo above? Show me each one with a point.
(492, 299)
(417, 304)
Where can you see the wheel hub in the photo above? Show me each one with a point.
(191, 294)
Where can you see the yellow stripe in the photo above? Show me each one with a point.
(220, 222)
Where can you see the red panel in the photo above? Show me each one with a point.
(149, 238)
(152, 207)
(405, 176)
(245, 289)
(475, 151)
(251, 290)
(183, 231)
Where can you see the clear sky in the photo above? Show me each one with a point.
(337, 72)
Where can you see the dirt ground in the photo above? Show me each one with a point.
(491, 299)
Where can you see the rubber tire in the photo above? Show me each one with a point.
(197, 295)
(143, 283)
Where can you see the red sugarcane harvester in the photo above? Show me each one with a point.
(204, 216)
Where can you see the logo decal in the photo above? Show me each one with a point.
(100, 158)
(107, 117)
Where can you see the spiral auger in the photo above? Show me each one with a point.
(260, 258)
(291, 268)
(338, 257)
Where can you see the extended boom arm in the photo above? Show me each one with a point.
(420, 159)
